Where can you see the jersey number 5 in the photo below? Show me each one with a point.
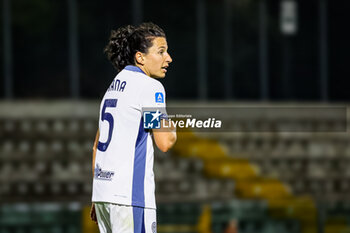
(106, 116)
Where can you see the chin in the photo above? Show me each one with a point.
(159, 76)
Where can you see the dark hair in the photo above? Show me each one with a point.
(126, 41)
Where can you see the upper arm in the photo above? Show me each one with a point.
(153, 98)
(94, 150)
(96, 139)
(153, 95)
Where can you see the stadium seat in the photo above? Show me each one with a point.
(230, 168)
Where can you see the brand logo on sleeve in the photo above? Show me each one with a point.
(159, 97)
(151, 119)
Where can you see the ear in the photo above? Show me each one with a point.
(139, 58)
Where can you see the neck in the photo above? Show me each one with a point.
(143, 69)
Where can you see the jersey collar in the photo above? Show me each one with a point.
(134, 68)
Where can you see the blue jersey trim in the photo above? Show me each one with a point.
(139, 219)
(134, 68)
(138, 189)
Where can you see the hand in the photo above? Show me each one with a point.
(93, 213)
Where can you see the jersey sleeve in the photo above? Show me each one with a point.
(153, 98)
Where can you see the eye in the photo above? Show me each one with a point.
(161, 52)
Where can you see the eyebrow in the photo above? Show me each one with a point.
(162, 47)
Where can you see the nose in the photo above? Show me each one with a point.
(169, 59)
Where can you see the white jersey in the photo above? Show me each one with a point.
(124, 158)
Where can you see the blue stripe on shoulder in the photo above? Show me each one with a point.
(134, 68)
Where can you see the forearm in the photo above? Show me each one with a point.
(165, 138)
(171, 134)
(94, 149)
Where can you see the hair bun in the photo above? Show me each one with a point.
(118, 44)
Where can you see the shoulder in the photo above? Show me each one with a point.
(152, 92)
(143, 82)
(154, 83)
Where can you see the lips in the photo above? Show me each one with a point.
(164, 68)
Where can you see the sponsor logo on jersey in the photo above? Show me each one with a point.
(151, 119)
(102, 174)
(159, 97)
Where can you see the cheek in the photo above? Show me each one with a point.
(157, 63)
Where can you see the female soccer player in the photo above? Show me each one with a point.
(123, 185)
